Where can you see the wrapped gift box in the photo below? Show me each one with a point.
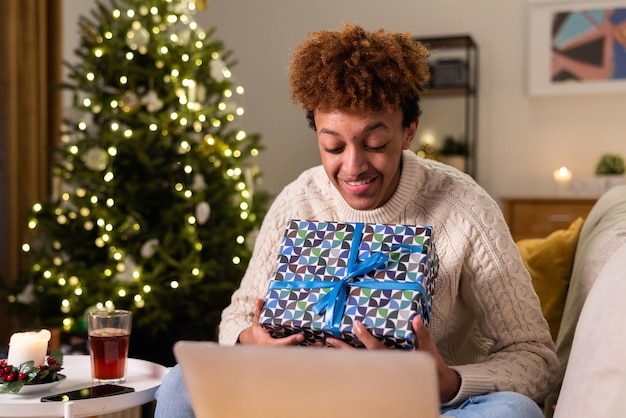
(330, 274)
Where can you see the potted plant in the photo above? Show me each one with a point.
(610, 164)
(610, 170)
(454, 152)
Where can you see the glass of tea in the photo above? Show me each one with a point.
(109, 334)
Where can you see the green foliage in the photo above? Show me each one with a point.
(610, 164)
(14, 377)
(150, 148)
(453, 146)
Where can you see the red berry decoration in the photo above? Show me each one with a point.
(13, 378)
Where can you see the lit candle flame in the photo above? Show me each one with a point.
(562, 175)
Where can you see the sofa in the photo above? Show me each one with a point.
(591, 338)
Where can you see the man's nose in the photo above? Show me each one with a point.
(355, 161)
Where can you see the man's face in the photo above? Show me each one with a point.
(361, 153)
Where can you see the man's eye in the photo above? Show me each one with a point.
(333, 150)
(377, 148)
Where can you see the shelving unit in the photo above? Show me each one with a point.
(464, 48)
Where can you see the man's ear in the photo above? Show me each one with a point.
(409, 133)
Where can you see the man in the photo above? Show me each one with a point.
(361, 92)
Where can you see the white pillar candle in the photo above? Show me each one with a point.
(562, 177)
(26, 346)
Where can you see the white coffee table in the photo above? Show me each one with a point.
(144, 376)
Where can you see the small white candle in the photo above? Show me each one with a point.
(562, 175)
(26, 346)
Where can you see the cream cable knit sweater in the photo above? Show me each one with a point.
(487, 321)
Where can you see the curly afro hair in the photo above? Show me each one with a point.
(357, 70)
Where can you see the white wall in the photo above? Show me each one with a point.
(522, 139)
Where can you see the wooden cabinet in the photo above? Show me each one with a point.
(538, 217)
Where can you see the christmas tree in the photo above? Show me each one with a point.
(155, 207)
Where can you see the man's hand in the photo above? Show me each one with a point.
(258, 335)
(369, 341)
(449, 380)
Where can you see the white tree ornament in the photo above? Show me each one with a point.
(149, 248)
(203, 211)
(96, 159)
(152, 102)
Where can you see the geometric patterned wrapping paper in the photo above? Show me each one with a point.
(330, 274)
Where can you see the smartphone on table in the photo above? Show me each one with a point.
(91, 392)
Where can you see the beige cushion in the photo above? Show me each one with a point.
(595, 380)
(603, 232)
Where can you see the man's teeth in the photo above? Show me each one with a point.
(358, 182)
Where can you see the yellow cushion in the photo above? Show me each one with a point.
(549, 261)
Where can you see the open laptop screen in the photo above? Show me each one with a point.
(271, 382)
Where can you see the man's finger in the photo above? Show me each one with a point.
(257, 311)
(294, 339)
(368, 340)
(424, 341)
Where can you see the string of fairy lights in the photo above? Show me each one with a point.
(191, 96)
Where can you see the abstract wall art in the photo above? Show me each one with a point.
(576, 46)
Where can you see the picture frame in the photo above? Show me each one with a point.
(576, 47)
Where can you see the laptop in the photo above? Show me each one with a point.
(286, 382)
